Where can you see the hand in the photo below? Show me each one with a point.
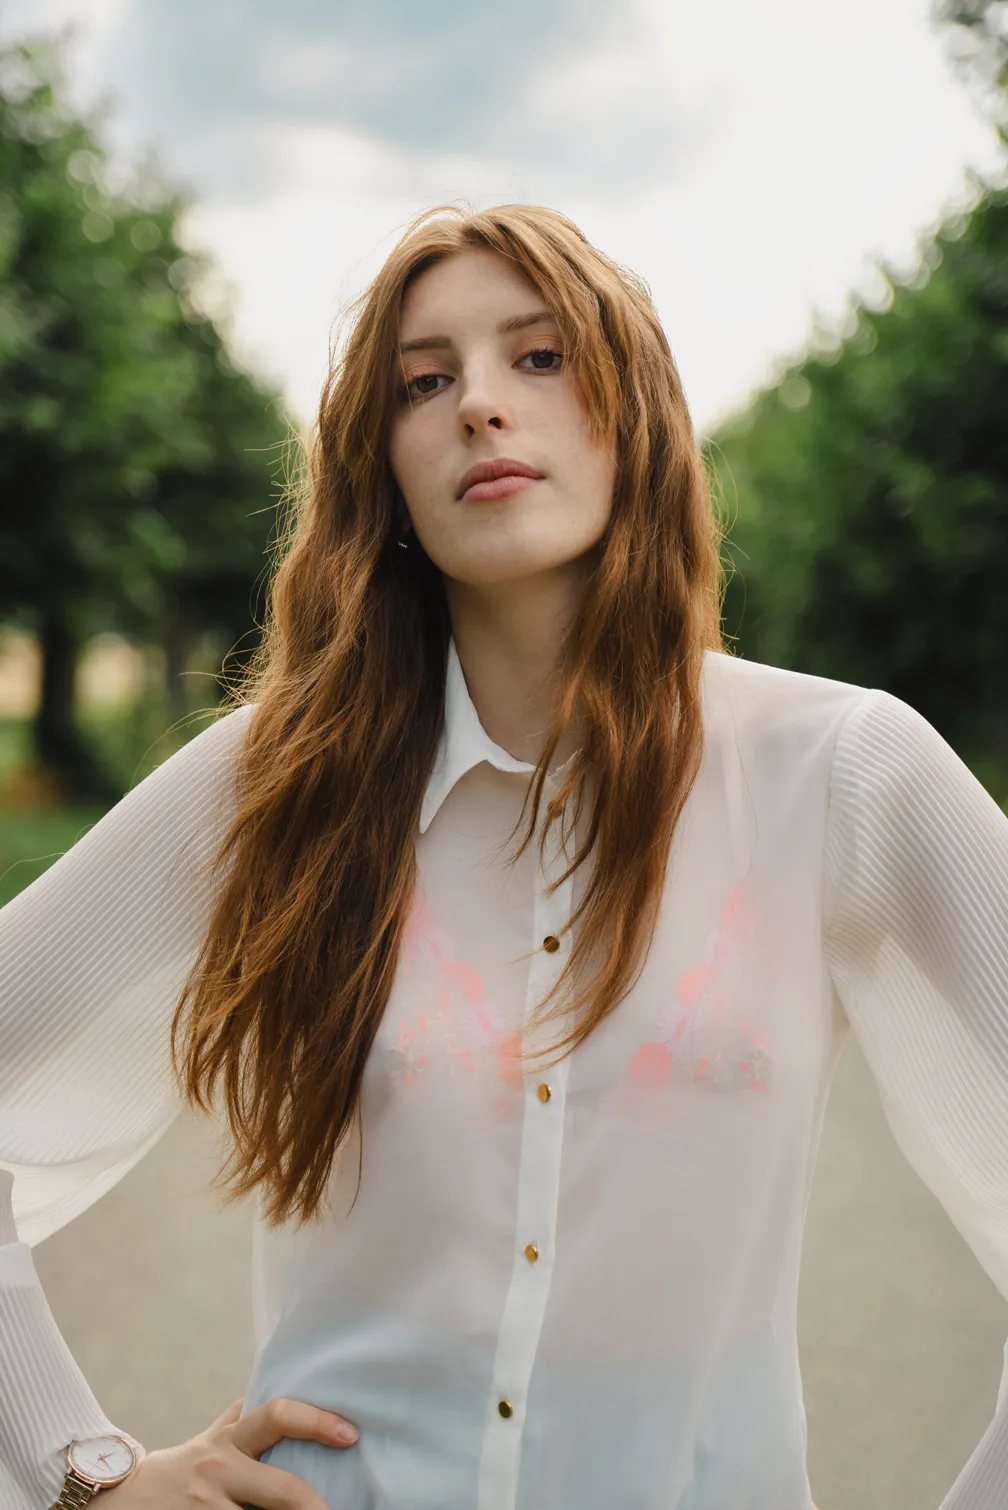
(219, 1469)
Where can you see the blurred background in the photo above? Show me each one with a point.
(190, 196)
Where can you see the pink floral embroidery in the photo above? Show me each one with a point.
(411, 1051)
(713, 1050)
(454, 1025)
(480, 1025)
(651, 1066)
(508, 1051)
(699, 1035)
(417, 928)
(755, 1062)
(459, 973)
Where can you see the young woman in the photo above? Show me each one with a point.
(530, 1126)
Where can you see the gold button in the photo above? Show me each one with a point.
(551, 943)
(544, 1093)
(504, 1406)
(531, 1253)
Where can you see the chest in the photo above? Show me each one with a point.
(727, 1015)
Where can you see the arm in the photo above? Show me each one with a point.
(915, 930)
(93, 957)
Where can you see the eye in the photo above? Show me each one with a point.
(422, 385)
(543, 359)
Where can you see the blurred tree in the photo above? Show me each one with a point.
(976, 32)
(116, 396)
(221, 513)
(871, 540)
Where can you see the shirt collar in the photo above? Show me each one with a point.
(463, 743)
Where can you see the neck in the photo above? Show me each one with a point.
(508, 641)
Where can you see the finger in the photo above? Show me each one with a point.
(269, 1423)
(268, 1488)
(230, 1416)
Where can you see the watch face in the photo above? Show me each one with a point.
(102, 1460)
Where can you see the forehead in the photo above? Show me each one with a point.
(474, 286)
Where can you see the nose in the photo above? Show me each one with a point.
(481, 403)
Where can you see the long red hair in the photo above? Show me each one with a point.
(317, 871)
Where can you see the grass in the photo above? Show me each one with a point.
(31, 841)
(131, 742)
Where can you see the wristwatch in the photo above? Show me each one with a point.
(92, 1464)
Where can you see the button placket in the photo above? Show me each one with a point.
(538, 1192)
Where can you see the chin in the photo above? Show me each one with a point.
(513, 552)
(493, 569)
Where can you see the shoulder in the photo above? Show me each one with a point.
(197, 780)
(771, 708)
(215, 746)
(889, 755)
(866, 736)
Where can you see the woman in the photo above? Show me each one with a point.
(530, 1129)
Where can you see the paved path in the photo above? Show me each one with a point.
(900, 1330)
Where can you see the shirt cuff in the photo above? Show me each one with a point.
(45, 1401)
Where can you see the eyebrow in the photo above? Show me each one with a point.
(513, 322)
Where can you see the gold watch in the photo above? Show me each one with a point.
(92, 1464)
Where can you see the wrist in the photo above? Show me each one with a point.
(97, 1464)
(139, 1449)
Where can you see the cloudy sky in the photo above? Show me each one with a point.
(753, 160)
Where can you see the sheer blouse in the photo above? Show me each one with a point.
(572, 1285)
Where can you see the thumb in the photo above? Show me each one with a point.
(232, 1414)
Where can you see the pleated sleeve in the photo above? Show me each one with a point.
(93, 957)
(915, 931)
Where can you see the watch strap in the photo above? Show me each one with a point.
(76, 1493)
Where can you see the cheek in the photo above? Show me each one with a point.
(591, 470)
(399, 454)
(590, 464)
(413, 451)
(605, 473)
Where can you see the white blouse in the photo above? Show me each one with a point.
(574, 1287)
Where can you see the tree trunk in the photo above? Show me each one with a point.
(176, 642)
(59, 749)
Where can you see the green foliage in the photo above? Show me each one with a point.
(137, 460)
(976, 32)
(95, 386)
(31, 841)
(871, 542)
(130, 742)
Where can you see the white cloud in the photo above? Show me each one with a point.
(803, 142)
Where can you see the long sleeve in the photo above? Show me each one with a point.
(915, 931)
(93, 957)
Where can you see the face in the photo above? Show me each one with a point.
(483, 380)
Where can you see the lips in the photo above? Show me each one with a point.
(491, 471)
